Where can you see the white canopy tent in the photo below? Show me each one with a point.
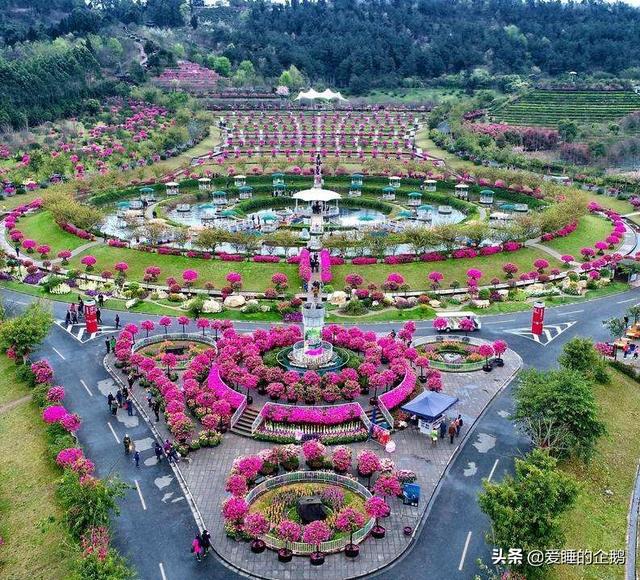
(326, 95)
(316, 194)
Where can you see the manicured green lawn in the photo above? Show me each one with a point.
(41, 228)
(598, 521)
(16, 200)
(256, 276)
(36, 542)
(415, 273)
(620, 205)
(591, 229)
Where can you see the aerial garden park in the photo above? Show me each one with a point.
(225, 236)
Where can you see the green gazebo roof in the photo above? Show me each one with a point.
(487, 192)
(277, 175)
(219, 193)
(415, 194)
(388, 189)
(147, 190)
(245, 189)
(425, 207)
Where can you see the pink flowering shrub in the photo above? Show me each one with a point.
(234, 509)
(315, 533)
(368, 463)
(341, 458)
(55, 394)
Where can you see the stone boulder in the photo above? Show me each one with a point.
(212, 306)
(338, 298)
(435, 303)
(235, 301)
(480, 303)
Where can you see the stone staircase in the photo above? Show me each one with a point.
(379, 418)
(243, 426)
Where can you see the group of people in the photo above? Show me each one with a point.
(75, 313)
(121, 400)
(314, 262)
(201, 545)
(452, 430)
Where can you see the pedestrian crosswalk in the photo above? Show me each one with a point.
(79, 330)
(549, 333)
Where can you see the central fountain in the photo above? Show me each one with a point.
(314, 353)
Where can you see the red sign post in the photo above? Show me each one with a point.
(91, 320)
(537, 319)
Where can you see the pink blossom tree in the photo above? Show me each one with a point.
(435, 278)
(377, 508)
(440, 323)
(349, 520)
(288, 531)
(256, 525)
(166, 322)
(203, 324)
(315, 533)
(184, 322)
(147, 326)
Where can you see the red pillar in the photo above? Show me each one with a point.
(90, 318)
(537, 319)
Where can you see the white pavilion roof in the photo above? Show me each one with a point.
(327, 95)
(316, 194)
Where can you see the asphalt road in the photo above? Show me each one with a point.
(155, 527)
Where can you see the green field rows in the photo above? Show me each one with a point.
(547, 108)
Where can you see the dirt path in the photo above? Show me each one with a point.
(11, 404)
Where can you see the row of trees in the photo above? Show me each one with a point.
(557, 410)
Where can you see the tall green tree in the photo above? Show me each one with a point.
(564, 401)
(25, 332)
(525, 509)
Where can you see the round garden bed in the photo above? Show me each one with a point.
(279, 498)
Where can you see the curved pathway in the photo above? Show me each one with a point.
(447, 543)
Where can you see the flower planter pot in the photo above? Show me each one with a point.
(292, 401)
(249, 400)
(378, 532)
(407, 530)
(487, 368)
(258, 546)
(373, 401)
(262, 390)
(274, 397)
(364, 390)
(285, 555)
(309, 402)
(351, 550)
(317, 559)
(223, 429)
(499, 362)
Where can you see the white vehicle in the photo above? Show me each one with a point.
(455, 318)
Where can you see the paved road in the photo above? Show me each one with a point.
(159, 531)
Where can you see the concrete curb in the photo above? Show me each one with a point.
(632, 530)
(418, 529)
(197, 516)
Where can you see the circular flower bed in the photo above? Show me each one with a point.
(183, 351)
(460, 355)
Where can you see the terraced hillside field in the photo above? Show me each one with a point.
(547, 108)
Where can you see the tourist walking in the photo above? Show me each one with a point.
(434, 437)
(110, 399)
(158, 451)
(113, 344)
(129, 405)
(443, 428)
(98, 316)
(67, 318)
(114, 407)
(131, 379)
(119, 397)
(149, 398)
(156, 410)
(117, 321)
(452, 431)
(80, 306)
(101, 300)
(459, 423)
(205, 538)
(107, 343)
(125, 393)
(127, 443)
(196, 547)
(136, 458)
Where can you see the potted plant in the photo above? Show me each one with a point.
(350, 520)
(499, 348)
(341, 459)
(288, 531)
(368, 464)
(377, 508)
(315, 533)
(314, 453)
(288, 457)
(256, 525)
(485, 351)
